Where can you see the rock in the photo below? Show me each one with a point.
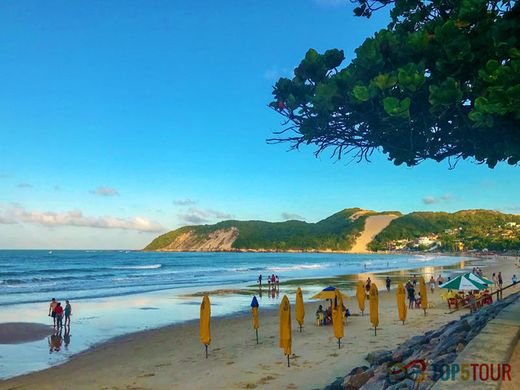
(381, 372)
(405, 384)
(414, 341)
(458, 327)
(358, 370)
(379, 356)
(354, 382)
(425, 385)
(459, 347)
(374, 384)
(448, 344)
(401, 354)
(443, 359)
(336, 385)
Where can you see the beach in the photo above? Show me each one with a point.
(172, 357)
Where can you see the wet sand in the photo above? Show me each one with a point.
(173, 358)
(23, 332)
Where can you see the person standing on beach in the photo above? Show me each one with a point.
(440, 280)
(432, 284)
(52, 313)
(495, 280)
(260, 280)
(415, 280)
(68, 312)
(411, 295)
(367, 287)
(500, 283)
(59, 315)
(388, 282)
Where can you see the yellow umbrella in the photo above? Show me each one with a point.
(374, 303)
(300, 308)
(337, 317)
(205, 316)
(285, 327)
(254, 310)
(401, 302)
(424, 296)
(361, 297)
(328, 293)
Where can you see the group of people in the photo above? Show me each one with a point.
(272, 281)
(324, 317)
(59, 313)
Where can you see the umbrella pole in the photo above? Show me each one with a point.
(425, 312)
(256, 331)
(300, 328)
(375, 330)
(288, 364)
(206, 350)
(339, 343)
(403, 322)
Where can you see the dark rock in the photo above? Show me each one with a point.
(459, 347)
(443, 359)
(378, 357)
(336, 385)
(358, 370)
(354, 382)
(448, 344)
(425, 385)
(460, 326)
(414, 341)
(405, 384)
(374, 384)
(401, 354)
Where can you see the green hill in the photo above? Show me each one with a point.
(336, 233)
(462, 230)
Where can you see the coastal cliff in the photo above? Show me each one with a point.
(352, 230)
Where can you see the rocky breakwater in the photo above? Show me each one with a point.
(421, 356)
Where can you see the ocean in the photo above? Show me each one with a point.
(36, 276)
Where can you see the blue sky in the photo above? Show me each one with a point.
(121, 119)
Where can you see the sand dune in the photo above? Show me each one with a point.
(373, 225)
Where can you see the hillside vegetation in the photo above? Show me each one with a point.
(463, 230)
(336, 233)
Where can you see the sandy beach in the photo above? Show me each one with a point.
(173, 358)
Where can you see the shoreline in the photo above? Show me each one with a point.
(190, 327)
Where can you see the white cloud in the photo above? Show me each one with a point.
(445, 198)
(195, 215)
(289, 216)
(184, 202)
(17, 214)
(105, 191)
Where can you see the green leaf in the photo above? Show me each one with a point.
(361, 93)
(397, 108)
(411, 77)
(384, 81)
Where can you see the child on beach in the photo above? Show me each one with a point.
(59, 315)
(68, 312)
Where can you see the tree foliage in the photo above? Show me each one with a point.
(441, 81)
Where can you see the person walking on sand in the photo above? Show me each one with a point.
(260, 280)
(388, 282)
(59, 315)
(500, 283)
(414, 280)
(411, 295)
(67, 312)
(52, 313)
(367, 287)
(432, 284)
(495, 280)
(440, 280)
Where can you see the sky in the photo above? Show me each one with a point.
(121, 120)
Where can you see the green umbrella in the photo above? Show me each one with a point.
(463, 283)
(478, 278)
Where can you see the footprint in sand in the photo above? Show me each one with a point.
(163, 364)
(292, 386)
(265, 380)
(243, 385)
(333, 354)
(229, 363)
(146, 375)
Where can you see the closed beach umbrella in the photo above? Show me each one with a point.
(424, 296)
(401, 302)
(463, 283)
(361, 297)
(300, 308)
(337, 317)
(285, 327)
(254, 310)
(205, 317)
(328, 293)
(374, 307)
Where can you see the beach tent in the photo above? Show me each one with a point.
(337, 317)
(328, 293)
(424, 294)
(479, 279)
(285, 327)
(401, 302)
(254, 310)
(205, 317)
(360, 295)
(374, 306)
(463, 283)
(300, 308)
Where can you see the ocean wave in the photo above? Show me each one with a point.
(152, 266)
(297, 267)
